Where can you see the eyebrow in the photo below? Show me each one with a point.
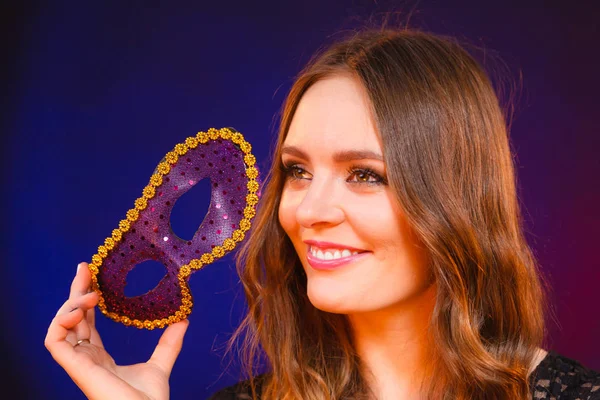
(340, 156)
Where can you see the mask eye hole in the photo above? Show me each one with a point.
(144, 277)
(190, 209)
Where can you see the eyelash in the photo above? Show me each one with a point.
(353, 170)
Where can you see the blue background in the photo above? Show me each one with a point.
(95, 93)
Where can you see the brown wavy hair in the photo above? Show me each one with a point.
(448, 158)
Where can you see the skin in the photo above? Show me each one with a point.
(387, 293)
(323, 201)
(91, 367)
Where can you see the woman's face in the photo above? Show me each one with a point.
(358, 252)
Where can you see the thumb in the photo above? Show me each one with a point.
(169, 346)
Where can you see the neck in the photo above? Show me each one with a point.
(393, 345)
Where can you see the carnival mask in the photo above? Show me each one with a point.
(222, 156)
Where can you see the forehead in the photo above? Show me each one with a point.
(334, 112)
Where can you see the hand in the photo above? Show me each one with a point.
(91, 367)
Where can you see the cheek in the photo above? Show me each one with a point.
(287, 213)
(382, 225)
(373, 219)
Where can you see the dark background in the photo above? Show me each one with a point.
(95, 93)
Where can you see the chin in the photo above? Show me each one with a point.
(329, 301)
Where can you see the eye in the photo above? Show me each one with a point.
(295, 172)
(365, 175)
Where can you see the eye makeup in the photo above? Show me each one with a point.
(365, 175)
(357, 174)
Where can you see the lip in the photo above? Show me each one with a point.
(319, 264)
(331, 245)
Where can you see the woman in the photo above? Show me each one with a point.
(396, 267)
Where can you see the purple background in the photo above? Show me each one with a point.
(96, 93)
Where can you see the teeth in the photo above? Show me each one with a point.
(331, 254)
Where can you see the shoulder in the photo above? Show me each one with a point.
(563, 378)
(240, 391)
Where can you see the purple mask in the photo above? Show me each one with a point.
(224, 157)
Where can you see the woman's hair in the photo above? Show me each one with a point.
(449, 163)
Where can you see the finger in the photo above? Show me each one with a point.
(94, 335)
(91, 316)
(82, 281)
(81, 330)
(80, 286)
(57, 341)
(169, 346)
(86, 302)
(104, 384)
(81, 296)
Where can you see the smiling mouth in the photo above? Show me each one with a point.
(331, 254)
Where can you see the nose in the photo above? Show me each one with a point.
(320, 205)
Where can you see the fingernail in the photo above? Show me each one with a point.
(78, 266)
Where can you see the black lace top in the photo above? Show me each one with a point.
(555, 378)
(561, 378)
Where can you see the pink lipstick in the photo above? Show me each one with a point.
(328, 256)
